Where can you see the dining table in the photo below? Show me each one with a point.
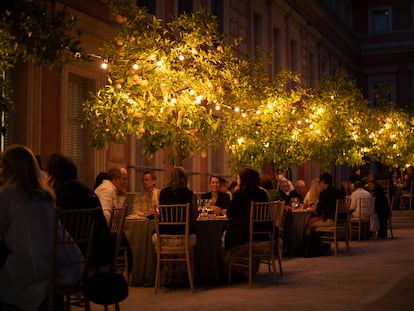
(209, 259)
(295, 232)
(138, 232)
(208, 253)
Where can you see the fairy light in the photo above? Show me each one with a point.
(135, 66)
(104, 64)
(237, 109)
(181, 57)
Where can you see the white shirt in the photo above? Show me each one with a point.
(355, 200)
(145, 201)
(109, 199)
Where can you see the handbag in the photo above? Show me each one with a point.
(374, 222)
(106, 288)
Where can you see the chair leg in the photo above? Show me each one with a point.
(390, 227)
(158, 273)
(228, 267)
(188, 260)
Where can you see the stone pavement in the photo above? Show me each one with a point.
(376, 275)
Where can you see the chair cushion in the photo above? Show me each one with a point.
(174, 241)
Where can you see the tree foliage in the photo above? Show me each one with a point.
(164, 83)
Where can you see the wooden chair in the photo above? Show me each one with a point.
(389, 220)
(406, 198)
(116, 226)
(265, 217)
(339, 230)
(171, 245)
(361, 224)
(279, 230)
(81, 224)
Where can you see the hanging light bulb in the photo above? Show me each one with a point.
(104, 64)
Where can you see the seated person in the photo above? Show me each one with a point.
(286, 194)
(312, 196)
(356, 196)
(144, 202)
(267, 183)
(220, 200)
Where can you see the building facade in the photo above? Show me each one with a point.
(373, 40)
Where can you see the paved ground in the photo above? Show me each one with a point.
(377, 275)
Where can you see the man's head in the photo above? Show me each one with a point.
(300, 186)
(148, 181)
(325, 181)
(119, 178)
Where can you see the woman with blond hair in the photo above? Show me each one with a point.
(312, 196)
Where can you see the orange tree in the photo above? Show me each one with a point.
(264, 125)
(338, 122)
(34, 32)
(164, 83)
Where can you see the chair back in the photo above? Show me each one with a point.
(263, 216)
(342, 215)
(116, 227)
(71, 226)
(81, 226)
(366, 208)
(172, 220)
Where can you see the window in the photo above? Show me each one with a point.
(277, 51)
(380, 20)
(381, 89)
(257, 33)
(150, 5)
(77, 140)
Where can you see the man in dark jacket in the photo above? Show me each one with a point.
(326, 204)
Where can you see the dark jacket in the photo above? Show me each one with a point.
(327, 202)
(239, 215)
(179, 196)
(74, 195)
(223, 199)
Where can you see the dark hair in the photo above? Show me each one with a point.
(216, 176)
(99, 179)
(326, 178)
(249, 180)
(61, 169)
(358, 184)
(153, 176)
(266, 182)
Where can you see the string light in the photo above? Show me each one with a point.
(104, 64)
(135, 66)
